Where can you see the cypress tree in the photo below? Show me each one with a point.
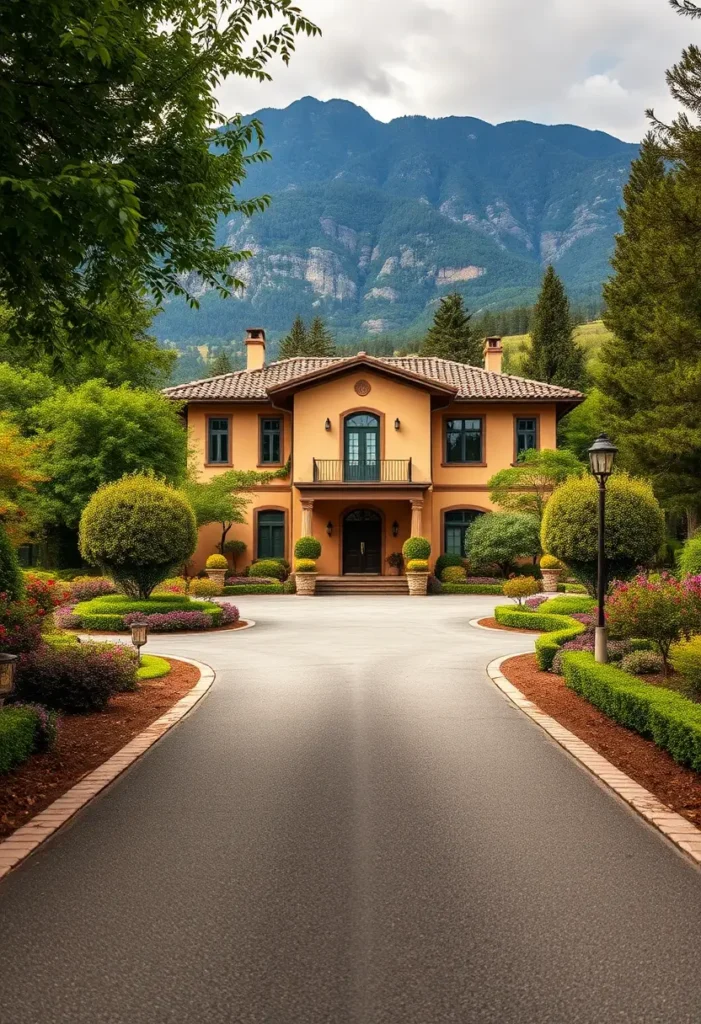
(319, 340)
(295, 344)
(221, 364)
(450, 336)
(555, 358)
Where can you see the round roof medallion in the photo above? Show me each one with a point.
(362, 388)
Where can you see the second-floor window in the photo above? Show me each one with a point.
(463, 441)
(526, 434)
(271, 441)
(219, 441)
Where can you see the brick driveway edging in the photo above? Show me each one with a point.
(685, 836)
(25, 840)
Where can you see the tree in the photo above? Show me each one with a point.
(223, 499)
(527, 486)
(635, 526)
(96, 435)
(20, 459)
(138, 530)
(295, 344)
(501, 538)
(577, 431)
(450, 336)
(319, 339)
(116, 160)
(220, 364)
(555, 357)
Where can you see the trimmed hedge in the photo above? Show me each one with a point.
(269, 567)
(557, 629)
(152, 667)
(568, 605)
(673, 722)
(256, 588)
(472, 588)
(107, 613)
(18, 735)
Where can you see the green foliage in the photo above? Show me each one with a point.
(690, 557)
(118, 198)
(642, 663)
(472, 588)
(577, 431)
(453, 574)
(558, 629)
(443, 561)
(152, 667)
(519, 588)
(500, 538)
(527, 486)
(269, 567)
(417, 565)
(319, 339)
(295, 344)
(305, 565)
(123, 604)
(573, 605)
(673, 722)
(223, 499)
(658, 608)
(554, 357)
(18, 730)
(634, 526)
(550, 562)
(416, 547)
(138, 530)
(217, 562)
(205, 588)
(259, 588)
(450, 335)
(11, 578)
(220, 365)
(307, 547)
(685, 658)
(235, 548)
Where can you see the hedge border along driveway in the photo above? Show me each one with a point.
(557, 630)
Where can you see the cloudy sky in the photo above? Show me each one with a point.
(596, 63)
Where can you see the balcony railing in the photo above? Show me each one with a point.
(353, 471)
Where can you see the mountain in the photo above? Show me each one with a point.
(370, 223)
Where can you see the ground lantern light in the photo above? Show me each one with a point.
(8, 668)
(139, 636)
(601, 458)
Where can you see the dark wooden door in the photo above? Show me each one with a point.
(362, 542)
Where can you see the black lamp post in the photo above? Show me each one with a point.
(601, 457)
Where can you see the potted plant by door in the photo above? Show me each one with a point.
(307, 550)
(416, 551)
(396, 561)
(551, 570)
(215, 567)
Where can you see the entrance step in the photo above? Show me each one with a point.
(329, 585)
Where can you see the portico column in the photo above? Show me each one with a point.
(307, 510)
(417, 506)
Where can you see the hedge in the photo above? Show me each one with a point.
(107, 613)
(557, 629)
(472, 588)
(152, 667)
(18, 730)
(573, 605)
(673, 722)
(255, 588)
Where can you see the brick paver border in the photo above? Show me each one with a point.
(25, 840)
(685, 836)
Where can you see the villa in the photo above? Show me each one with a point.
(378, 448)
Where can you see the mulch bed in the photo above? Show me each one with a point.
(85, 742)
(493, 624)
(639, 758)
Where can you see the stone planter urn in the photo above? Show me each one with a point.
(551, 578)
(217, 576)
(305, 583)
(418, 583)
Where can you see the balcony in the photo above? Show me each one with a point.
(353, 471)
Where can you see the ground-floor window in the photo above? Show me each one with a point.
(271, 534)
(456, 524)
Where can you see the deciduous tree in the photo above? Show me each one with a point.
(527, 486)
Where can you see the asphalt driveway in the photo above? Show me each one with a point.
(354, 826)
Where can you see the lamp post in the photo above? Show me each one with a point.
(139, 636)
(8, 667)
(601, 457)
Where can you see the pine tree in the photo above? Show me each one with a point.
(555, 358)
(450, 336)
(295, 344)
(220, 364)
(319, 340)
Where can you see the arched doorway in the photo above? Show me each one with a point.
(362, 447)
(362, 542)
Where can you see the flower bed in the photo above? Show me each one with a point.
(164, 614)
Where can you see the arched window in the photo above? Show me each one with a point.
(362, 447)
(456, 524)
(271, 534)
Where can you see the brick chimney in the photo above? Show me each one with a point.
(255, 348)
(493, 352)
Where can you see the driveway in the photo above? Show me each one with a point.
(354, 826)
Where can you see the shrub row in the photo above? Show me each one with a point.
(76, 678)
(472, 588)
(24, 729)
(673, 722)
(568, 605)
(557, 629)
(164, 614)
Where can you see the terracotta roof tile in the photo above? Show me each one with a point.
(471, 381)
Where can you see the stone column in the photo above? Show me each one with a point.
(417, 506)
(307, 510)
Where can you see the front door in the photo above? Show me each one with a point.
(362, 542)
(362, 446)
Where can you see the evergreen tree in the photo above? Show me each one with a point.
(450, 336)
(555, 358)
(295, 344)
(319, 340)
(220, 364)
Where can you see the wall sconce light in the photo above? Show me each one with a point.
(329, 528)
(327, 425)
(395, 528)
(397, 424)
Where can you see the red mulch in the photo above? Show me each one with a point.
(85, 742)
(493, 624)
(639, 758)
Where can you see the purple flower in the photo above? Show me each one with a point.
(229, 614)
(167, 622)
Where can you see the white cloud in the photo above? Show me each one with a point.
(598, 63)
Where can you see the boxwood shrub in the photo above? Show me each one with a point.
(416, 547)
(444, 561)
(573, 605)
(557, 629)
(258, 588)
(109, 613)
(307, 547)
(305, 565)
(23, 730)
(417, 565)
(270, 567)
(454, 574)
(472, 588)
(152, 667)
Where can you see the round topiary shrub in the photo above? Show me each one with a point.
(501, 538)
(138, 530)
(216, 562)
(550, 562)
(11, 579)
(268, 567)
(305, 565)
(454, 574)
(417, 565)
(635, 526)
(205, 588)
(307, 547)
(690, 558)
(443, 561)
(416, 547)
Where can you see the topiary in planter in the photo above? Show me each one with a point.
(216, 562)
(305, 565)
(416, 547)
(550, 562)
(307, 547)
(138, 530)
(269, 567)
(417, 565)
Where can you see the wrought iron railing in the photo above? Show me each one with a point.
(354, 471)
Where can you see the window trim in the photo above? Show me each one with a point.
(352, 412)
(521, 416)
(444, 433)
(268, 416)
(285, 528)
(208, 420)
(457, 508)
